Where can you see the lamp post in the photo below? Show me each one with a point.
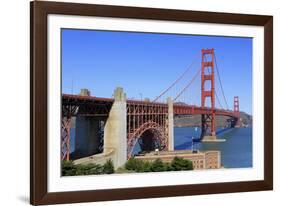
(140, 96)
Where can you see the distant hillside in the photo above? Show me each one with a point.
(246, 119)
(195, 120)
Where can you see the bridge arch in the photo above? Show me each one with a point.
(151, 132)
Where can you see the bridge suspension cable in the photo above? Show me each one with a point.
(175, 82)
(218, 99)
(186, 87)
(220, 83)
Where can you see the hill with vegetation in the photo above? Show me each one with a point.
(221, 121)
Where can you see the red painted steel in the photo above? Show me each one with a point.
(175, 82)
(217, 69)
(89, 98)
(141, 116)
(193, 110)
(188, 85)
(236, 106)
(209, 119)
(145, 115)
(236, 111)
(65, 133)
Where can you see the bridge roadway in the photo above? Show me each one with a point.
(126, 122)
(98, 106)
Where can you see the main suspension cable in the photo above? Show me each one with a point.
(177, 80)
(220, 83)
(185, 88)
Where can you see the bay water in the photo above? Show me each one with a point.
(236, 151)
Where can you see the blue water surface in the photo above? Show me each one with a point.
(236, 151)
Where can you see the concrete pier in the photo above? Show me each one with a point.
(86, 133)
(115, 130)
(170, 124)
(212, 139)
(87, 137)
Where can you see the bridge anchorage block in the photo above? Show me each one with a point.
(212, 139)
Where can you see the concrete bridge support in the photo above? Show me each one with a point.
(86, 133)
(170, 124)
(115, 130)
(88, 140)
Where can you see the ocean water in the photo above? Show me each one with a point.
(236, 151)
(72, 139)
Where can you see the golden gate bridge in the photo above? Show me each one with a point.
(145, 120)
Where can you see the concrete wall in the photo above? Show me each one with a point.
(170, 124)
(87, 136)
(200, 160)
(115, 130)
(86, 133)
(100, 158)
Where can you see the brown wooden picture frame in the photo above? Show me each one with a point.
(38, 102)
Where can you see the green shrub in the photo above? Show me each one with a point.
(157, 166)
(68, 168)
(179, 163)
(168, 166)
(134, 164)
(108, 167)
(146, 166)
(95, 169)
(88, 169)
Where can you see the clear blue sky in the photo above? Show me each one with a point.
(145, 64)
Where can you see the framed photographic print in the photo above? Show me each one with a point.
(131, 102)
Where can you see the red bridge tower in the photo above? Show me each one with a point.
(237, 111)
(236, 106)
(208, 120)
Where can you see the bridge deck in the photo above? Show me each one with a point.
(90, 104)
